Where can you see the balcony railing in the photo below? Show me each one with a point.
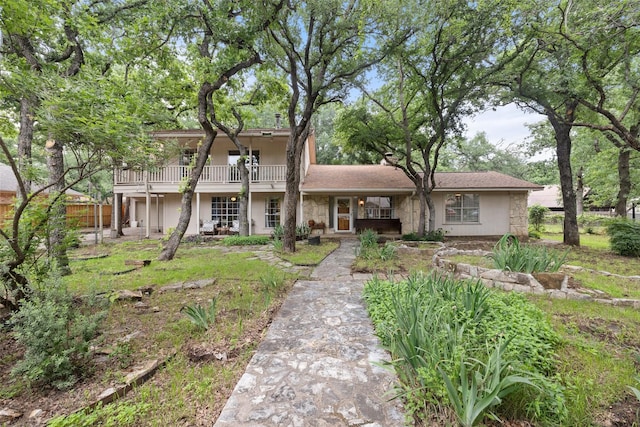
(210, 174)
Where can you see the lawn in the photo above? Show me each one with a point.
(201, 366)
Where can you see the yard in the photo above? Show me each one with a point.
(199, 367)
(598, 357)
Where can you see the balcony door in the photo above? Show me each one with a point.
(343, 214)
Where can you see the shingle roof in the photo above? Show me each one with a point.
(481, 181)
(337, 178)
(345, 178)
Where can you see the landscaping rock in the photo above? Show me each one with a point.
(550, 280)
(8, 415)
(126, 295)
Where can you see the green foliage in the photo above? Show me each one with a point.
(509, 254)
(56, 334)
(114, 415)
(245, 240)
(369, 248)
(449, 337)
(537, 214)
(634, 390)
(200, 316)
(430, 236)
(624, 237)
(490, 382)
(302, 231)
(278, 232)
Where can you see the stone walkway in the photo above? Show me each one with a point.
(319, 362)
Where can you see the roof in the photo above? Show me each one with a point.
(8, 181)
(360, 178)
(199, 133)
(549, 197)
(363, 178)
(482, 181)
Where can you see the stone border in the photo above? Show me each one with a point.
(523, 282)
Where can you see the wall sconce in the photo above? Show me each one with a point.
(361, 202)
(233, 198)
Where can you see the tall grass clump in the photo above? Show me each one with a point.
(624, 236)
(459, 342)
(509, 254)
(369, 248)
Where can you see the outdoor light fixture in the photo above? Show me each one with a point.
(361, 202)
(233, 199)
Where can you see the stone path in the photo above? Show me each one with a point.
(319, 362)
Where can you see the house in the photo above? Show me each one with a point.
(335, 198)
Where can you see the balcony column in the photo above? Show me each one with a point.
(147, 216)
(198, 213)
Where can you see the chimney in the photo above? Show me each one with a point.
(278, 120)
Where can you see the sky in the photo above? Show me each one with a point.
(503, 126)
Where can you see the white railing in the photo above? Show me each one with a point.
(210, 174)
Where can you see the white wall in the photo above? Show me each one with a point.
(494, 216)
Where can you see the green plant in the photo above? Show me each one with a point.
(430, 236)
(245, 240)
(302, 231)
(483, 386)
(509, 254)
(624, 236)
(56, 334)
(537, 214)
(122, 354)
(278, 232)
(387, 252)
(200, 316)
(368, 239)
(117, 414)
(634, 390)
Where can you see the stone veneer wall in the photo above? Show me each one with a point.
(521, 282)
(316, 208)
(519, 214)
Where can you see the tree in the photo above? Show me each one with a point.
(439, 75)
(322, 46)
(220, 56)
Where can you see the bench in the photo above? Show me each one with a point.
(379, 225)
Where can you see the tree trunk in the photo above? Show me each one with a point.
(25, 139)
(422, 198)
(579, 193)
(57, 218)
(292, 193)
(171, 247)
(624, 180)
(562, 130)
(243, 201)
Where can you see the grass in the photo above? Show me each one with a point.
(248, 291)
(408, 260)
(306, 254)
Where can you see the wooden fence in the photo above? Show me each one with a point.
(78, 215)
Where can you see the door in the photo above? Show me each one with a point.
(343, 214)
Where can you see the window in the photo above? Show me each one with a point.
(224, 209)
(379, 207)
(234, 173)
(462, 207)
(272, 212)
(186, 157)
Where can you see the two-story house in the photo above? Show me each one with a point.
(344, 198)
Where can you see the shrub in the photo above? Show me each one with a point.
(245, 240)
(56, 334)
(509, 254)
(624, 236)
(536, 217)
(430, 236)
(278, 232)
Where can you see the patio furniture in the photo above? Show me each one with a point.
(235, 227)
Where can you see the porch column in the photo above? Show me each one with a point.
(147, 216)
(249, 212)
(198, 213)
(115, 214)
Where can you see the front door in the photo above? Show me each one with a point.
(343, 214)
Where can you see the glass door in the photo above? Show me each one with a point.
(343, 214)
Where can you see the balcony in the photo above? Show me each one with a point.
(228, 174)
